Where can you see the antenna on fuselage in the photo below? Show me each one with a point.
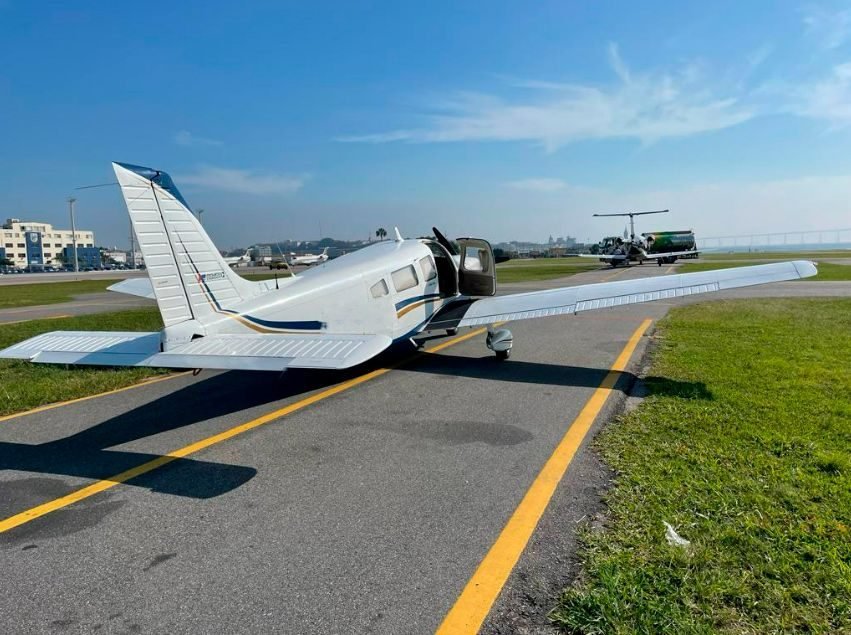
(398, 235)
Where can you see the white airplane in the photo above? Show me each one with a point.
(635, 249)
(309, 259)
(336, 315)
(235, 261)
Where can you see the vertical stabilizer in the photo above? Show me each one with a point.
(190, 279)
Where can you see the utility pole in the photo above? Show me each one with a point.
(71, 202)
(132, 246)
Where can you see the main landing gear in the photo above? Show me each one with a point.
(500, 342)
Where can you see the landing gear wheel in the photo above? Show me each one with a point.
(452, 331)
(503, 355)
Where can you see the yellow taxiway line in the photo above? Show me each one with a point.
(475, 602)
(59, 404)
(616, 273)
(51, 317)
(99, 486)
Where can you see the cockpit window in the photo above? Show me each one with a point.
(427, 265)
(404, 278)
(379, 289)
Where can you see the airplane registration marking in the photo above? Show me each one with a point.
(475, 602)
(100, 486)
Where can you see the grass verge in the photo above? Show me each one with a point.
(24, 385)
(16, 295)
(542, 269)
(743, 446)
(827, 271)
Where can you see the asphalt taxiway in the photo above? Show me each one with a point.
(321, 502)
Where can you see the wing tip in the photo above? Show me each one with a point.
(805, 268)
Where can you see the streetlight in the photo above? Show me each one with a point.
(71, 202)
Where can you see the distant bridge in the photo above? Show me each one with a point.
(815, 238)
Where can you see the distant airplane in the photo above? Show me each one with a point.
(622, 252)
(335, 315)
(309, 259)
(235, 261)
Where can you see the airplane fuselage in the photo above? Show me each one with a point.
(368, 291)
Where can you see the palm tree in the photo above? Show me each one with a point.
(380, 233)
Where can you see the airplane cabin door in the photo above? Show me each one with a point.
(476, 271)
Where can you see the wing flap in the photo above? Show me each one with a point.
(524, 306)
(274, 351)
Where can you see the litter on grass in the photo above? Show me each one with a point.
(673, 537)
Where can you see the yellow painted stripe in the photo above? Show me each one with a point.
(95, 488)
(475, 602)
(52, 317)
(616, 273)
(59, 404)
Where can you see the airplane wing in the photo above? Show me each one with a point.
(228, 352)
(603, 256)
(524, 306)
(672, 254)
(140, 287)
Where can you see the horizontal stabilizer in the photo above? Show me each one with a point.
(228, 352)
(140, 287)
(109, 348)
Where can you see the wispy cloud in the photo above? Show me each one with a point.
(538, 185)
(827, 98)
(646, 106)
(244, 181)
(186, 138)
(830, 28)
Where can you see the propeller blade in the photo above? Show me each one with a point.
(444, 241)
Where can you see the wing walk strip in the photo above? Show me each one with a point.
(100, 486)
(473, 605)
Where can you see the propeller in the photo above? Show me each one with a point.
(444, 241)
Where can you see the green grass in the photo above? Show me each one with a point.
(827, 271)
(542, 269)
(24, 385)
(744, 446)
(18, 295)
(776, 255)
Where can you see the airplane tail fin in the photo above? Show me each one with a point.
(325, 251)
(190, 279)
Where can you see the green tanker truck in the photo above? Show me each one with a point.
(670, 242)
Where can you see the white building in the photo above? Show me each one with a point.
(30, 243)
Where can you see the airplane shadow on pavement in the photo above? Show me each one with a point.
(488, 367)
(91, 453)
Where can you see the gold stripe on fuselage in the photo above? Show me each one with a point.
(413, 306)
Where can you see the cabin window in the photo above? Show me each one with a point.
(379, 289)
(427, 265)
(404, 278)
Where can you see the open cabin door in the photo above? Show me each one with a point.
(476, 271)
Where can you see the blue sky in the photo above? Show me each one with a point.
(501, 119)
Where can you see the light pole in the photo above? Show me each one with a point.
(71, 202)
